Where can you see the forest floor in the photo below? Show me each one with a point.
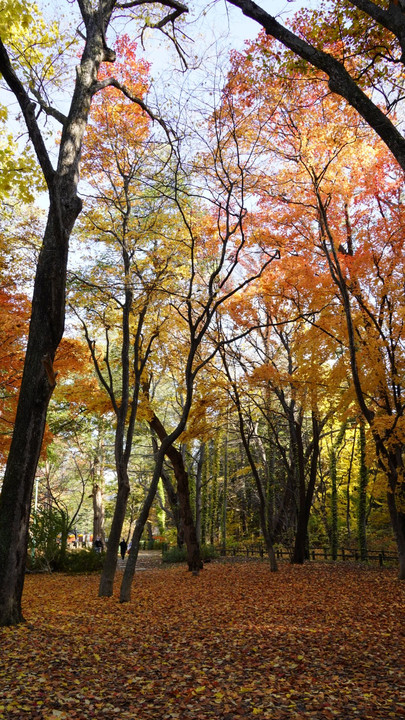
(318, 642)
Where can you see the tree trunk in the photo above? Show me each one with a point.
(362, 499)
(395, 498)
(125, 592)
(300, 553)
(225, 495)
(183, 494)
(110, 562)
(63, 539)
(400, 534)
(48, 307)
(198, 489)
(334, 512)
(38, 382)
(172, 497)
(98, 514)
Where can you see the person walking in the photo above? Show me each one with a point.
(123, 548)
(98, 544)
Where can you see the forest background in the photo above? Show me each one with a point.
(232, 364)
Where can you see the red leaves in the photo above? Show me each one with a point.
(237, 642)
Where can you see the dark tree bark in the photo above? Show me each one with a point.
(306, 493)
(198, 491)
(183, 494)
(48, 306)
(340, 81)
(172, 497)
(126, 584)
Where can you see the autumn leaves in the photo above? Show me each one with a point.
(307, 643)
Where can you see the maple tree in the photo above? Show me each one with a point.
(217, 247)
(332, 41)
(321, 193)
(350, 195)
(122, 278)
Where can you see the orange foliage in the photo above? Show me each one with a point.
(330, 196)
(14, 318)
(115, 117)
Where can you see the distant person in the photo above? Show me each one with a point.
(123, 548)
(98, 545)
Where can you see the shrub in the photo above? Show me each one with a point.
(81, 561)
(174, 555)
(178, 555)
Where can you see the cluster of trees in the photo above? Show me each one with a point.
(234, 356)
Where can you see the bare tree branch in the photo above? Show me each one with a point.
(113, 82)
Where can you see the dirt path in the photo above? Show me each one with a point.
(147, 560)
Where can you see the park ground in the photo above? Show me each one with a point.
(318, 642)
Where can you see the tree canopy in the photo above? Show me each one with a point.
(226, 272)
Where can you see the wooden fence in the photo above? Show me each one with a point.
(379, 557)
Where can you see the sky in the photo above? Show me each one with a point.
(217, 22)
(212, 29)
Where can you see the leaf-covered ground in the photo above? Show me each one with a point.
(236, 642)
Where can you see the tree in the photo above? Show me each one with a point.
(210, 198)
(351, 65)
(48, 305)
(265, 517)
(120, 297)
(341, 180)
(183, 494)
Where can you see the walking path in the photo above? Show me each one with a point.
(147, 559)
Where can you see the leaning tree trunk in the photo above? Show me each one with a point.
(183, 494)
(172, 497)
(125, 592)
